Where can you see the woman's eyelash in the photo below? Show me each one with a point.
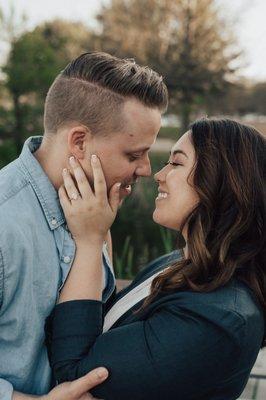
(171, 163)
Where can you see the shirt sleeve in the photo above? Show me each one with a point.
(1, 279)
(174, 351)
(6, 390)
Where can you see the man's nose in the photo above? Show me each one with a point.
(144, 169)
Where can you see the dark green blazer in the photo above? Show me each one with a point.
(185, 345)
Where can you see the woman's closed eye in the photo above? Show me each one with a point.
(175, 164)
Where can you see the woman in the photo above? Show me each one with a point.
(184, 329)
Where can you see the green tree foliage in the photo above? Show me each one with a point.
(35, 59)
(186, 40)
(32, 64)
(240, 98)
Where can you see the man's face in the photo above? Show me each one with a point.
(124, 155)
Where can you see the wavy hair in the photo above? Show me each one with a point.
(226, 230)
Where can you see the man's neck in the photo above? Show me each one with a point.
(51, 163)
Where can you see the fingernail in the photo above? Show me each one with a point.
(102, 373)
(64, 171)
(93, 158)
(118, 185)
(72, 160)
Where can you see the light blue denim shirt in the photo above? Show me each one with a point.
(36, 253)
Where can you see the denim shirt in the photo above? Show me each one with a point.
(36, 253)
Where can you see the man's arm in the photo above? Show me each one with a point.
(7, 392)
(67, 391)
(21, 396)
(76, 390)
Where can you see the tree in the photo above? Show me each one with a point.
(35, 59)
(258, 98)
(185, 40)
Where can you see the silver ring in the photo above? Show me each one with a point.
(74, 196)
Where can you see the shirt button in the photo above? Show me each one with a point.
(54, 222)
(67, 259)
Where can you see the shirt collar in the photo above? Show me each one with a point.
(42, 186)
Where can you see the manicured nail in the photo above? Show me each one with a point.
(94, 158)
(102, 373)
(118, 185)
(72, 160)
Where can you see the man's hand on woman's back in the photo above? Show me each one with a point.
(75, 390)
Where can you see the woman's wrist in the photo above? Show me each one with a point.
(90, 241)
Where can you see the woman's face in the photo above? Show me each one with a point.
(176, 197)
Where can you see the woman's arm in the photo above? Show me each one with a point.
(172, 353)
(85, 277)
(89, 216)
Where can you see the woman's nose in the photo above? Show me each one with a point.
(158, 176)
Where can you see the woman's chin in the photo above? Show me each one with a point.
(157, 218)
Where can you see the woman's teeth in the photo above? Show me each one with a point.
(126, 189)
(162, 195)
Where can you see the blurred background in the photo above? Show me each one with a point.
(212, 54)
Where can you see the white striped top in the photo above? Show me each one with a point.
(131, 298)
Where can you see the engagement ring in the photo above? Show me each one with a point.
(74, 196)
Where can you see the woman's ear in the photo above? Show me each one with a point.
(79, 138)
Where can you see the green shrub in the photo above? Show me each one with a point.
(7, 152)
(147, 239)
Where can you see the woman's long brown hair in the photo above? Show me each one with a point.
(226, 231)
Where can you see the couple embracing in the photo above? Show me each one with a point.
(191, 324)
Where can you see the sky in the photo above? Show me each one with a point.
(247, 18)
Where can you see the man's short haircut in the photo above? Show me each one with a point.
(92, 89)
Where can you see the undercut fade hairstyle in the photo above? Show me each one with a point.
(93, 88)
(226, 230)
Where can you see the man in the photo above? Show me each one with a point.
(98, 105)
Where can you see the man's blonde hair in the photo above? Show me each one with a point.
(92, 89)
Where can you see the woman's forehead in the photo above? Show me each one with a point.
(183, 145)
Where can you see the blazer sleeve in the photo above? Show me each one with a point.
(173, 352)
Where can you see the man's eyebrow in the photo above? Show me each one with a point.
(173, 153)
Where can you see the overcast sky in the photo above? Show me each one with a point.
(248, 18)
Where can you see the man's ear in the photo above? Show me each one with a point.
(79, 138)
